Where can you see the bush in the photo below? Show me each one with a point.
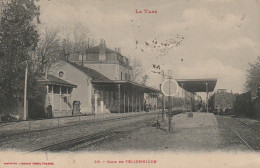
(9, 117)
(36, 103)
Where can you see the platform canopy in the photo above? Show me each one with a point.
(128, 85)
(197, 85)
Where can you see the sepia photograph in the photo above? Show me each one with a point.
(116, 83)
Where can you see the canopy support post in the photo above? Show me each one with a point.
(124, 98)
(118, 107)
(207, 97)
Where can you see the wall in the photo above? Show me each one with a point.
(108, 70)
(59, 106)
(83, 92)
(111, 71)
(124, 70)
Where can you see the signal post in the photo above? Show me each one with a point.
(170, 90)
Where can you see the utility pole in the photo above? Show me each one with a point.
(169, 99)
(25, 93)
(1, 10)
(163, 107)
(163, 101)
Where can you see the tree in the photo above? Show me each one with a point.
(48, 49)
(18, 37)
(76, 39)
(253, 77)
(80, 37)
(138, 72)
(55, 44)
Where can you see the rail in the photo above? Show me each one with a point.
(87, 122)
(92, 138)
(249, 141)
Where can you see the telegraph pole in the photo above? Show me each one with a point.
(25, 93)
(1, 10)
(163, 101)
(169, 99)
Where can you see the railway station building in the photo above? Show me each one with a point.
(58, 95)
(103, 82)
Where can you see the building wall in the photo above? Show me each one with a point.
(108, 70)
(124, 70)
(84, 90)
(60, 107)
(111, 71)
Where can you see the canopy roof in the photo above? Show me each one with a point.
(127, 84)
(52, 80)
(197, 85)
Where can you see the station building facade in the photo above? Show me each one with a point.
(110, 63)
(103, 80)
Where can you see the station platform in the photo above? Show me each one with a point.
(199, 119)
(30, 125)
(197, 133)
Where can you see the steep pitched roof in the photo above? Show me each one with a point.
(54, 80)
(90, 72)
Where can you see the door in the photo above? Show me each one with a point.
(76, 107)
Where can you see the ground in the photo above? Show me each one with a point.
(201, 132)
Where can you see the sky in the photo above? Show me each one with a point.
(217, 38)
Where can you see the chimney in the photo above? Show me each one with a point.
(102, 50)
(115, 49)
(119, 50)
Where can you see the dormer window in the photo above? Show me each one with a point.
(61, 74)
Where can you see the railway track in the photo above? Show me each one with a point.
(240, 138)
(249, 138)
(95, 138)
(251, 126)
(93, 121)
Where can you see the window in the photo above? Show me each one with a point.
(92, 57)
(129, 77)
(69, 90)
(63, 90)
(125, 76)
(61, 74)
(56, 89)
(50, 88)
(121, 75)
